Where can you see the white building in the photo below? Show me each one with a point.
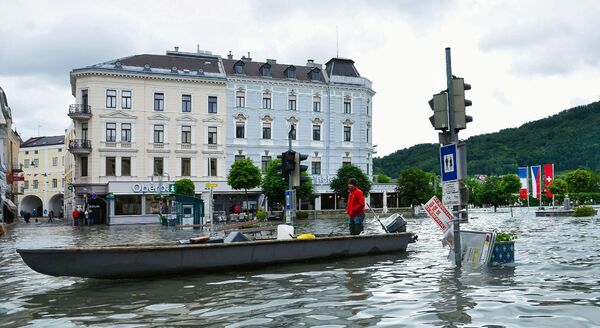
(142, 121)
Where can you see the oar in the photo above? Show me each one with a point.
(377, 218)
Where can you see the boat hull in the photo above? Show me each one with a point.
(139, 261)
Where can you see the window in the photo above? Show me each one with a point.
(111, 98)
(265, 160)
(54, 161)
(292, 103)
(158, 166)
(55, 183)
(239, 157)
(26, 163)
(159, 133)
(84, 131)
(239, 68)
(347, 107)
(315, 74)
(291, 72)
(240, 128)
(126, 99)
(266, 70)
(27, 153)
(347, 133)
(35, 152)
(186, 103)
(35, 184)
(126, 166)
(111, 132)
(186, 167)
(59, 150)
(186, 134)
(84, 166)
(346, 162)
(294, 132)
(368, 132)
(368, 169)
(266, 130)
(126, 132)
(212, 135)
(240, 101)
(26, 186)
(316, 132)
(212, 104)
(35, 162)
(128, 204)
(159, 102)
(316, 168)
(111, 164)
(316, 106)
(368, 107)
(62, 161)
(212, 167)
(266, 102)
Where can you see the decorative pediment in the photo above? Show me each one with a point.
(292, 92)
(187, 118)
(292, 120)
(241, 89)
(267, 118)
(347, 97)
(158, 117)
(317, 120)
(240, 117)
(267, 91)
(347, 121)
(119, 114)
(212, 119)
(369, 124)
(317, 95)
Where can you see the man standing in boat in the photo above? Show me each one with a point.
(355, 207)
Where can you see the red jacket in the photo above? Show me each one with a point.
(356, 203)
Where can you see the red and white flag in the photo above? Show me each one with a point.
(548, 178)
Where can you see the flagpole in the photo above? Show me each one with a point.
(528, 187)
(553, 177)
(540, 188)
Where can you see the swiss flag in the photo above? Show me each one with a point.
(548, 178)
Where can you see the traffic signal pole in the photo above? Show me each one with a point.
(453, 139)
(292, 211)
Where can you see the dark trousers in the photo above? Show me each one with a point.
(356, 224)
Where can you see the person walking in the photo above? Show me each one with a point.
(355, 207)
(50, 216)
(75, 217)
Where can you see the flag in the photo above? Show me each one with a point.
(548, 178)
(524, 191)
(535, 181)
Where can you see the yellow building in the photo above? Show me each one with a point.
(43, 169)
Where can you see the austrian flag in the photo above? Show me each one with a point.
(548, 178)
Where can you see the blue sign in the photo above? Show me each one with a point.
(448, 163)
(288, 200)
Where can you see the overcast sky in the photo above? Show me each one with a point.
(525, 60)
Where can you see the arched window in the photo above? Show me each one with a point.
(265, 70)
(238, 68)
(315, 74)
(291, 72)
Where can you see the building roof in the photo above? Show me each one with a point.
(278, 71)
(191, 62)
(341, 67)
(43, 141)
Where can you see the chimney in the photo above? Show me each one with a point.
(272, 61)
(244, 58)
(176, 48)
(249, 58)
(230, 56)
(310, 62)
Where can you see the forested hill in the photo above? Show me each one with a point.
(569, 139)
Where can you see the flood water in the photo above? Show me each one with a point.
(555, 282)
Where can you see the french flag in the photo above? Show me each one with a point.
(524, 191)
(535, 181)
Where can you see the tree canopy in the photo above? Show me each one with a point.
(414, 187)
(339, 184)
(274, 186)
(185, 187)
(244, 175)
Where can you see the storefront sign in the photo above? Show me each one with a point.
(151, 187)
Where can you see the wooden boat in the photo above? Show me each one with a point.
(129, 261)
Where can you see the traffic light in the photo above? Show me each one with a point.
(297, 178)
(282, 168)
(460, 103)
(439, 105)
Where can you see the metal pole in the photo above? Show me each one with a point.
(453, 139)
(290, 182)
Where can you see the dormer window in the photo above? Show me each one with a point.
(291, 72)
(265, 70)
(315, 74)
(238, 68)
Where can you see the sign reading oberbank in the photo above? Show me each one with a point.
(152, 187)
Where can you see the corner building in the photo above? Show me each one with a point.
(142, 122)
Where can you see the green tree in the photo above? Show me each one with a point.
(580, 181)
(475, 188)
(414, 187)
(559, 187)
(382, 178)
(491, 192)
(510, 184)
(339, 184)
(274, 186)
(185, 187)
(244, 175)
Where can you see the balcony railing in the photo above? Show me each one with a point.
(80, 112)
(186, 146)
(117, 144)
(80, 146)
(212, 148)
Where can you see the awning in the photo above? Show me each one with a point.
(10, 204)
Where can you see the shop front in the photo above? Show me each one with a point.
(131, 202)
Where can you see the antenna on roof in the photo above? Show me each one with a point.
(198, 48)
(337, 42)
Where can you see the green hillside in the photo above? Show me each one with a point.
(569, 139)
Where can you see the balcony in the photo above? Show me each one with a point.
(186, 148)
(80, 146)
(212, 148)
(80, 112)
(122, 146)
(158, 147)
